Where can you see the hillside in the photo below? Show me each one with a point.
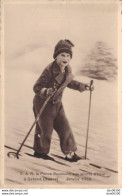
(102, 145)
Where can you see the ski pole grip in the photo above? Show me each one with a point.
(91, 83)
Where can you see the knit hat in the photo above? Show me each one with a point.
(63, 46)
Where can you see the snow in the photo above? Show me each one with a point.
(103, 133)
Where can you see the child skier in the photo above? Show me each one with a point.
(57, 75)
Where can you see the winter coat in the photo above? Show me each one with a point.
(51, 76)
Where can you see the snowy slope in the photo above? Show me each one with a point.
(102, 143)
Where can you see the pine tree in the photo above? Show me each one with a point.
(100, 64)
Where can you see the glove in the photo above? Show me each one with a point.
(88, 87)
(49, 91)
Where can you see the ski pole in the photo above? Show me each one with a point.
(38, 115)
(91, 83)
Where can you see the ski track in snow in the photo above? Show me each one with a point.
(102, 143)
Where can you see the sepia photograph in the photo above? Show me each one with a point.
(60, 94)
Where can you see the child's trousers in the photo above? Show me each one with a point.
(53, 117)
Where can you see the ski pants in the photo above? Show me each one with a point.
(53, 117)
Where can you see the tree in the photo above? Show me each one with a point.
(100, 64)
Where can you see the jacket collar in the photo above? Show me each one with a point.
(57, 71)
(56, 68)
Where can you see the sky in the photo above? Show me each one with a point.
(30, 27)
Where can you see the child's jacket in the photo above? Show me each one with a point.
(52, 76)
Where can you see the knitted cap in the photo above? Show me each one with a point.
(63, 46)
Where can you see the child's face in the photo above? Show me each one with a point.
(63, 59)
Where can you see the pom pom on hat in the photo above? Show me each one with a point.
(63, 46)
